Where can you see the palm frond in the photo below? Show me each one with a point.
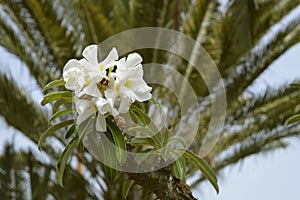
(24, 176)
(238, 36)
(23, 47)
(95, 24)
(258, 114)
(248, 27)
(194, 20)
(261, 142)
(265, 141)
(138, 13)
(53, 38)
(258, 61)
(27, 117)
(265, 17)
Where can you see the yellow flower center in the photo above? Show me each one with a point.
(94, 107)
(88, 82)
(101, 67)
(118, 88)
(128, 83)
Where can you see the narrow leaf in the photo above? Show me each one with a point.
(53, 84)
(203, 166)
(52, 129)
(138, 141)
(109, 157)
(119, 141)
(166, 151)
(88, 126)
(177, 139)
(128, 184)
(142, 117)
(55, 95)
(60, 113)
(63, 159)
(141, 105)
(145, 120)
(155, 137)
(296, 85)
(140, 157)
(166, 135)
(292, 119)
(155, 102)
(137, 118)
(179, 168)
(62, 101)
(71, 131)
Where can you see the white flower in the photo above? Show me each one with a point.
(105, 106)
(73, 75)
(96, 69)
(129, 84)
(131, 61)
(88, 108)
(99, 90)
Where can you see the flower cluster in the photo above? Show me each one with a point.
(106, 87)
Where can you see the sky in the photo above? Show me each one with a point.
(273, 176)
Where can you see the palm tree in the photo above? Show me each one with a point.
(243, 37)
(24, 176)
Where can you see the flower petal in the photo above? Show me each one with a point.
(112, 56)
(90, 53)
(73, 63)
(91, 90)
(84, 115)
(133, 60)
(143, 94)
(124, 105)
(102, 105)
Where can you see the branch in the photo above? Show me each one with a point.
(163, 184)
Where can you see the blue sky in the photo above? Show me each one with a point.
(273, 176)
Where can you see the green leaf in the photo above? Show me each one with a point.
(111, 174)
(292, 119)
(166, 135)
(166, 151)
(141, 105)
(88, 126)
(296, 85)
(203, 166)
(137, 118)
(63, 159)
(71, 131)
(53, 84)
(140, 115)
(119, 140)
(178, 140)
(109, 158)
(140, 129)
(155, 102)
(52, 129)
(60, 113)
(55, 95)
(154, 139)
(62, 101)
(138, 141)
(179, 168)
(143, 155)
(145, 120)
(128, 184)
